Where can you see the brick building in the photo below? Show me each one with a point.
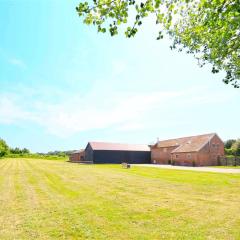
(201, 150)
(77, 156)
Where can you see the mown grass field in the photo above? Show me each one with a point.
(44, 199)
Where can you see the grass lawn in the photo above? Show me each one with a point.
(232, 167)
(44, 199)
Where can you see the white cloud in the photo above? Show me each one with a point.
(89, 112)
(81, 114)
(99, 110)
(17, 62)
(11, 111)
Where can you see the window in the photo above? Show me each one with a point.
(215, 146)
(189, 155)
(176, 156)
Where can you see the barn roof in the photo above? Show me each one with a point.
(119, 146)
(78, 151)
(187, 144)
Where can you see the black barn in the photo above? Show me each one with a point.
(100, 152)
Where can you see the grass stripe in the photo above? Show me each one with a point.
(42, 199)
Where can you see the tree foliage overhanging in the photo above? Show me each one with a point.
(208, 29)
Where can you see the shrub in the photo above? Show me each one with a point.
(228, 151)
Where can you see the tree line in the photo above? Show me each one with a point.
(5, 150)
(231, 147)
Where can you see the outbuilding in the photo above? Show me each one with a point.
(102, 152)
(77, 156)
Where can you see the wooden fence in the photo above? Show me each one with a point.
(229, 161)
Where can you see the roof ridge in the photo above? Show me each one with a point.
(187, 137)
(118, 143)
(119, 146)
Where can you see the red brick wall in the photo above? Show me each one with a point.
(161, 155)
(208, 156)
(185, 159)
(74, 157)
(77, 156)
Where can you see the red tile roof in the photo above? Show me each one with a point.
(186, 144)
(78, 151)
(119, 146)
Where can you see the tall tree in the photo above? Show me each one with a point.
(228, 144)
(208, 29)
(3, 148)
(236, 148)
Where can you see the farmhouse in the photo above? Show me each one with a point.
(102, 152)
(201, 150)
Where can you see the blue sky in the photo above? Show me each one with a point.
(62, 84)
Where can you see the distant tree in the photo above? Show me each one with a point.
(3, 148)
(228, 144)
(17, 150)
(61, 154)
(208, 29)
(25, 151)
(236, 148)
